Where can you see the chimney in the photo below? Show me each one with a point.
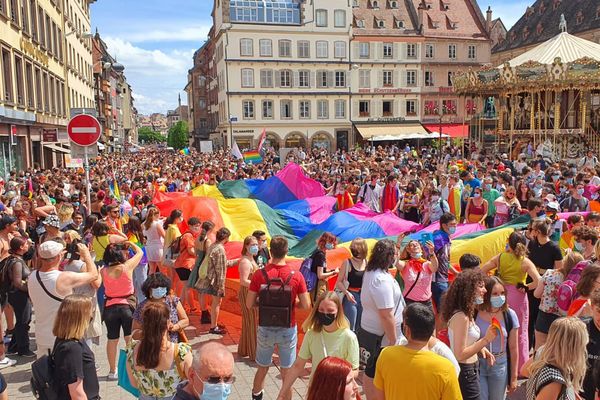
(488, 20)
(421, 17)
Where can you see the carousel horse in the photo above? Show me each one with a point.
(489, 110)
(546, 150)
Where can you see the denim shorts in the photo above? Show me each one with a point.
(286, 340)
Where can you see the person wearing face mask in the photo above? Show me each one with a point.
(506, 206)
(391, 194)
(326, 242)
(157, 289)
(327, 334)
(585, 242)
(247, 267)
(576, 202)
(410, 203)
(211, 375)
(186, 260)
(417, 272)
(155, 365)
(477, 208)
(370, 193)
(442, 244)
(466, 339)
(490, 195)
(437, 208)
(495, 379)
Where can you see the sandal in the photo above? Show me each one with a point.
(218, 330)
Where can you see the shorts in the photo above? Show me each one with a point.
(3, 299)
(118, 317)
(544, 320)
(369, 349)
(183, 274)
(286, 340)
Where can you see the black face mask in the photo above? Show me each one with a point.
(29, 254)
(326, 319)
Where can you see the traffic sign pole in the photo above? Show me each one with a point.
(86, 166)
(84, 130)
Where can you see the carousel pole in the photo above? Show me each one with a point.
(512, 120)
(532, 118)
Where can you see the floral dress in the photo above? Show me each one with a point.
(171, 302)
(159, 384)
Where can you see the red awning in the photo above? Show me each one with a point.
(453, 130)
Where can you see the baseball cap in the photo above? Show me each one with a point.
(50, 249)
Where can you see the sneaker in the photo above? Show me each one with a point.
(28, 354)
(113, 376)
(218, 330)
(7, 362)
(205, 317)
(258, 396)
(11, 352)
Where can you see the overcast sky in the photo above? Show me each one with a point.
(156, 39)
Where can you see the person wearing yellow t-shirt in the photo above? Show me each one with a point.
(412, 371)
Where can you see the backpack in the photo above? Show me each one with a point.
(42, 381)
(5, 282)
(172, 252)
(309, 276)
(275, 302)
(567, 291)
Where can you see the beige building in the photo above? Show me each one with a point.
(44, 51)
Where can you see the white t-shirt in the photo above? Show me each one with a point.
(45, 307)
(380, 291)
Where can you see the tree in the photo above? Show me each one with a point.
(178, 136)
(147, 135)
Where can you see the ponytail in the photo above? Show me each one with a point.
(520, 250)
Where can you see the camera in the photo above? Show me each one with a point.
(73, 251)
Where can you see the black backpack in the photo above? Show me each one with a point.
(42, 381)
(275, 302)
(5, 281)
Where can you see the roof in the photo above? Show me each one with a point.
(453, 18)
(564, 45)
(388, 15)
(540, 22)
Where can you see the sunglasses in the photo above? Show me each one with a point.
(215, 380)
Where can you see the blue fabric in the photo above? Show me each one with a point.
(272, 191)
(123, 377)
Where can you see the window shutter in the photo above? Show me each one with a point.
(355, 110)
(312, 79)
(330, 79)
(418, 50)
(396, 49)
(379, 49)
(277, 82)
(402, 52)
(403, 77)
(403, 108)
(296, 80)
(356, 50)
(379, 78)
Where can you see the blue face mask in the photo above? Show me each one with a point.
(497, 301)
(478, 301)
(329, 246)
(158, 293)
(580, 191)
(216, 391)
(418, 255)
(253, 249)
(452, 230)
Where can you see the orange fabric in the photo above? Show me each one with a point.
(576, 307)
(185, 259)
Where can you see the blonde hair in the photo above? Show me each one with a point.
(570, 260)
(566, 350)
(597, 249)
(312, 322)
(73, 317)
(65, 212)
(72, 235)
(247, 241)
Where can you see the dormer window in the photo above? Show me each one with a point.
(579, 17)
(393, 4)
(355, 3)
(525, 33)
(399, 24)
(379, 23)
(445, 5)
(374, 4)
(360, 23)
(529, 12)
(542, 8)
(598, 12)
(539, 29)
(556, 4)
(453, 25)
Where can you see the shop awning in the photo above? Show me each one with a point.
(453, 130)
(393, 132)
(54, 147)
(101, 146)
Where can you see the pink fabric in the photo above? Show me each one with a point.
(520, 304)
(566, 215)
(389, 223)
(461, 229)
(119, 289)
(422, 290)
(321, 208)
(299, 184)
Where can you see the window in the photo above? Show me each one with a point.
(374, 4)
(52, 95)
(452, 51)
(24, 17)
(7, 75)
(321, 18)
(29, 81)
(266, 47)
(322, 109)
(339, 18)
(411, 50)
(322, 49)
(267, 109)
(42, 30)
(285, 78)
(411, 78)
(364, 50)
(38, 90)
(449, 107)
(247, 77)
(388, 108)
(364, 78)
(20, 81)
(472, 52)
(304, 79)
(303, 49)
(388, 78)
(246, 47)
(286, 109)
(285, 48)
(340, 108)
(34, 20)
(364, 108)
(340, 79)
(322, 79)
(450, 78)
(360, 23)
(380, 23)
(431, 107)
(46, 92)
(429, 78)
(429, 51)
(248, 109)
(388, 50)
(304, 109)
(411, 107)
(266, 78)
(14, 12)
(202, 104)
(339, 49)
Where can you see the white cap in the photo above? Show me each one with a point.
(50, 249)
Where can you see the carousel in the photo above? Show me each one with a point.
(545, 101)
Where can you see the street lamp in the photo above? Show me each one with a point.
(80, 34)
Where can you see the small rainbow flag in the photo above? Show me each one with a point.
(185, 152)
(253, 157)
(496, 324)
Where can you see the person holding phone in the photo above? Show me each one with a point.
(417, 270)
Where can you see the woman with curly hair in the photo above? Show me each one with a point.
(458, 310)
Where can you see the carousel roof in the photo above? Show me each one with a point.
(568, 47)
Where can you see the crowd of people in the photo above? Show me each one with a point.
(398, 317)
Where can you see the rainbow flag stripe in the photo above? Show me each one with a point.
(252, 157)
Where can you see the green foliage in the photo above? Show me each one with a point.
(178, 136)
(147, 135)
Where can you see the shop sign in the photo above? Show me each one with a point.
(386, 91)
(243, 131)
(31, 50)
(50, 135)
(387, 119)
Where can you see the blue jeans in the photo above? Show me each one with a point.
(353, 311)
(140, 273)
(285, 339)
(493, 380)
(437, 290)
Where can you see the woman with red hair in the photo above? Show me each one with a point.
(327, 241)
(333, 380)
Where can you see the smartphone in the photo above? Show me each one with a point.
(426, 237)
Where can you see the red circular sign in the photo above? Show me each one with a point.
(84, 130)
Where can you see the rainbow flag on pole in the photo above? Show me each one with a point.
(252, 157)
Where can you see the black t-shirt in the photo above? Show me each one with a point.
(319, 260)
(263, 256)
(2, 384)
(74, 360)
(593, 348)
(544, 256)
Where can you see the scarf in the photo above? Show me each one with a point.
(390, 197)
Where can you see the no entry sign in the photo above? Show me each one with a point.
(84, 130)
